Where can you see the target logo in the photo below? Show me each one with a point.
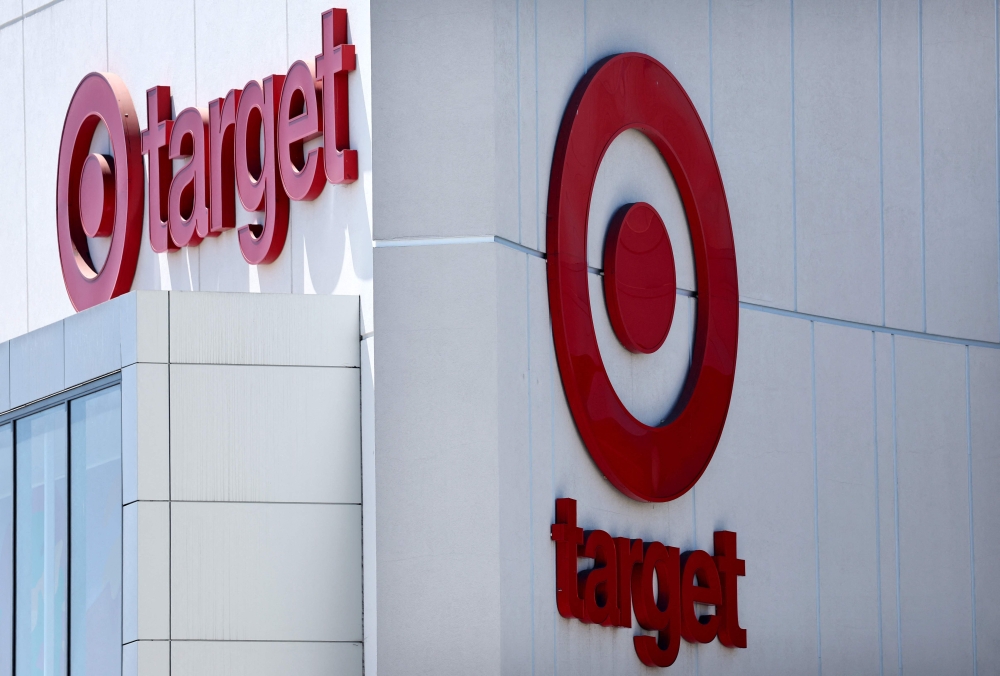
(648, 463)
(249, 144)
(99, 195)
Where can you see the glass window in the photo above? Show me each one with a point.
(42, 545)
(6, 549)
(96, 532)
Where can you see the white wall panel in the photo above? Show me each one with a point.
(10, 10)
(69, 32)
(932, 451)
(245, 658)
(36, 364)
(273, 572)
(260, 433)
(752, 134)
(13, 228)
(159, 49)
(267, 329)
(887, 534)
(146, 571)
(847, 520)
(984, 388)
(145, 327)
(146, 658)
(901, 164)
(145, 432)
(959, 75)
(837, 159)
(230, 52)
(761, 485)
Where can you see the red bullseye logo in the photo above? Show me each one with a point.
(650, 463)
(99, 195)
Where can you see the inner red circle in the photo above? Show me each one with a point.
(640, 279)
(97, 197)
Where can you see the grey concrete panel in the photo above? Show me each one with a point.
(933, 476)
(560, 61)
(848, 522)
(146, 658)
(368, 504)
(13, 224)
(436, 448)
(514, 462)
(901, 168)
(145, 432)
(265, 572)
(271, 329)
(438, 105)
(837, 172)
(264, 433)
(244, 658)
(146, 571)
(752, 135)
(888, 580)
(760, 484)
(62, 33)
(4, 376)
(984, 388)
(36, 364)
(93, 342)
(959, 72)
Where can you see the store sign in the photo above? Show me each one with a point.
(647, 463)
(249, 143)
(621, 582)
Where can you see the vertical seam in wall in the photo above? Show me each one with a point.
(538, 218)
(24, 149)
(527, 293)
(881, 170)
(895, 495)
(923, 198)
(711, 88)
(819, 629)
(972, 532)
(996, 43)
(517, 67)
(194, 24)
(170, 505)
(795, 210)
(878, 510)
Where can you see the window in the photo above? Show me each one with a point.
(42, 494)
(61, 566)
(96, 534)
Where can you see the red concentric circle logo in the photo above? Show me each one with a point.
(99, 195)
(655, 464)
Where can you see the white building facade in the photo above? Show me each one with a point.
(290, 489)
